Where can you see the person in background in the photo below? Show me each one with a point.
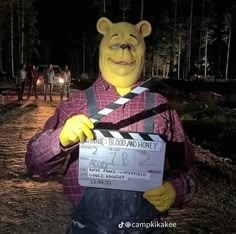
(66, 74)
(48, 82)
(20, 81)
(32, 78)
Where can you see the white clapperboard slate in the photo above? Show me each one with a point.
(122, 160)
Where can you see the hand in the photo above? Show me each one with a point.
(162, 197)
(75, 130)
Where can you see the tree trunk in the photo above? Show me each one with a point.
(19, 30)
(190, 40)
(219, 60)
(123, 10)
(179, 54)
(22, 31)
(141, 14)
(173, 40)
(1, 55)
(77, 61)
(152, 64)
(206, 44)
(84, 51)
(228, 50)
(104, 6)
(157, 68)
(200, 40)
(12, 41)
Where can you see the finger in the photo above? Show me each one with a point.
(81, 136)
(78, 134)
(86, 131)
(86, 120)
(162, 208)
(160, 205)
(157, 200)
(73, 137)
(155, 192)
(78, 127)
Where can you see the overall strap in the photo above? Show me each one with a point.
(92, 104)
(149, 122)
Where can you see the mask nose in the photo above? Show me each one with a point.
(123, 46)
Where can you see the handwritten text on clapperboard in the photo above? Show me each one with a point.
(120, 163)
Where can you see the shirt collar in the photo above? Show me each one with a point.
(102, 85)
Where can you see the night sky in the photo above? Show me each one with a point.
(61, 24)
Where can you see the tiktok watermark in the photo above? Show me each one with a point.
(152, 224)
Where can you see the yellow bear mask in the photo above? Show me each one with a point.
(122, 52)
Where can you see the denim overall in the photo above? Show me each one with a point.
(109, 211)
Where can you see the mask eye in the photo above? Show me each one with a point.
(131, 46)
(115, 46)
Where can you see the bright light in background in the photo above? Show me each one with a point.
(61, 80)
(38, 82)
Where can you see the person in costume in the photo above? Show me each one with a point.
(98, 210)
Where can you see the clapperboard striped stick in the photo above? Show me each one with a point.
(127, 135)
(121, 101)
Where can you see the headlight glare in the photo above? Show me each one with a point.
(61, 80)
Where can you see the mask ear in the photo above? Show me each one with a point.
(144, 27)
(103, 25)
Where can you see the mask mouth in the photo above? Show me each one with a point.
(123, 62)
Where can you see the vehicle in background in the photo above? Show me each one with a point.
(58, 81)
(83, 80)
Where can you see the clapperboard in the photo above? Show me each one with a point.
(122, 160)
